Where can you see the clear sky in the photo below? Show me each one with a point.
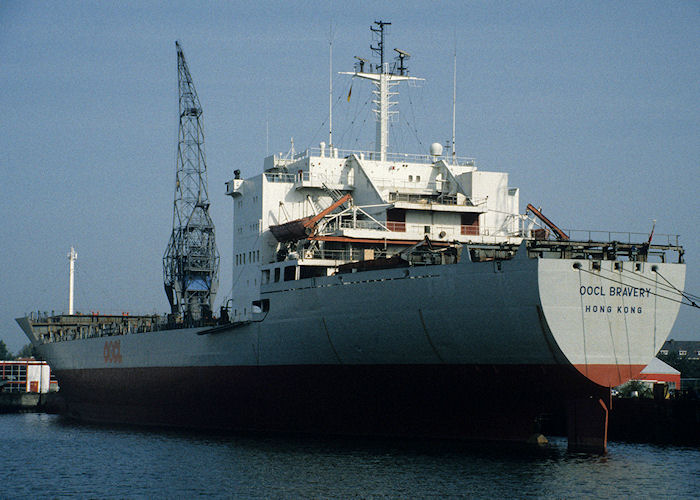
(592, 107)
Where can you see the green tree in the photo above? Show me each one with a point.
(4, 353)
(635, 386)
(27, 352)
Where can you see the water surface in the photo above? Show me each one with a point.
(49, 456)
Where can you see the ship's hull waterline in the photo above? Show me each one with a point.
(468, 350)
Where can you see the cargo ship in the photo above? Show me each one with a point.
(374, 293)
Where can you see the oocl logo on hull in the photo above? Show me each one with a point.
(112, 352)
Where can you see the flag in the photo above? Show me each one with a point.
(350, 93)
(652, 232)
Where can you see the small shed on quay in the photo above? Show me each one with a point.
(658, 371)
(26, 375)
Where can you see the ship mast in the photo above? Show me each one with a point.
(330, 88)
(191, 260)
(385, 78)
(454, 104)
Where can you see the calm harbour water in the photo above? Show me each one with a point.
(49, 456)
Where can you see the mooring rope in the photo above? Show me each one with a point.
(612, 339)
(641, 278)
(583, 326)
(692, 302)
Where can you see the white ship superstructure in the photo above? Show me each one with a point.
(394, 204)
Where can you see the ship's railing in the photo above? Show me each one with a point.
(404, 184)
(337, 255)
(622, 237)
(435, 200)
(358, 224)
(63, 327)
(419, 231)
(514, 228)
(390, 157)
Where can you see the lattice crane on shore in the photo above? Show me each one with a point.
(191, 260)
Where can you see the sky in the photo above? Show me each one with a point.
(592, 107)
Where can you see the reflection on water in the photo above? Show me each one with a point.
(48, 456)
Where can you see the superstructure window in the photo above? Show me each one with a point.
(290, 273)
(311, 272)
(396, 219)
(469, 224)
(277, 274)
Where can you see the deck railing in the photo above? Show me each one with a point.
(390, 157)
(513, 230)
(337, 255)
(622, 237)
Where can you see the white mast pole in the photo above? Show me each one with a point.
(454, 104)
(267, 136)
(330, 89)
(382, 130)
(72, 256)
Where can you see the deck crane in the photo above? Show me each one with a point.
(191, 259)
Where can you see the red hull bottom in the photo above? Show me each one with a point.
(482, 402)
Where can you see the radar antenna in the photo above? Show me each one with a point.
(385, 80)
(191, 260)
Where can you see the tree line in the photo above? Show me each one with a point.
(26, 352)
